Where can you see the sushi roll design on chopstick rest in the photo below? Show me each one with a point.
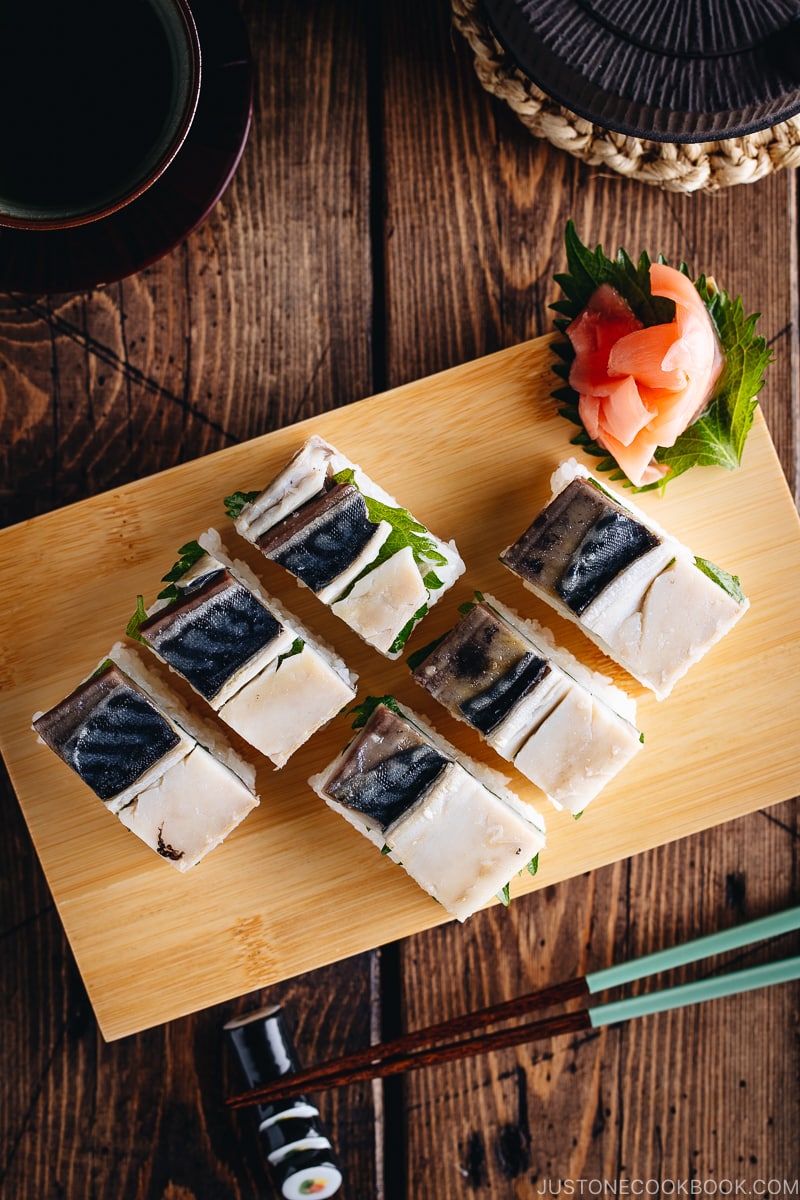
(350, 542)
(566, 728)
(264, 674)
(296, 1145)
(637, 592)
(452, 823)
(173, 782)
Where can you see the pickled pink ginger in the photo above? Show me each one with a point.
(641, 386)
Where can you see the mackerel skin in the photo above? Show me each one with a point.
(320, 540)
(108, 731)
(578, 545)
(386, 769)
(482, 668)
(211, 631)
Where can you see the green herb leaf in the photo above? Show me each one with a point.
(386, 849)
(295, 648)
(729, 583)
(405, 632)
(101, 668)
(588, 269)
(432, 581)
(237, 501)
(190, 554)
(504, 896)
(137, 620)
(533, 865)
(718, 435)
(366, 708)
(468, 605)
(406, 531)
(418, 657)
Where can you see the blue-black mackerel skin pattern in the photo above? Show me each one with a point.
(209, 642)
(608, 547)
(324, 548)
(119, 740)
(488, 708)
(384, 791)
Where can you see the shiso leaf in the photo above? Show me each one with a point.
(504, 896)
(363, 711)
(718, 435)
(295, 648)
(729, 583)
(533, 865)
(137, 620)
(237, 501)
(405, 632)
(190, 554)
(406, 531)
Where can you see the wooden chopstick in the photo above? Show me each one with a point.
(415, 1050)
(339, 1072)
(404, 1049)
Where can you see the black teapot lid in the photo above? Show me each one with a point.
(697, 70)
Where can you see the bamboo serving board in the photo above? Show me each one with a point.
(470, 452)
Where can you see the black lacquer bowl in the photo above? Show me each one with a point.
(134, 237)
(694, 71)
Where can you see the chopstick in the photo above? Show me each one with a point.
(413, 1049)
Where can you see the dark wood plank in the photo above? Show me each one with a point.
(652, 1100)
(144, 1117)
(260, 318)
(376, 160)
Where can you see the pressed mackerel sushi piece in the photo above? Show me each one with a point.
(172, 780)
(321, 542)
(113, 735)
(579, 544)
(333, 528)
(567, 729)
(577, 750)
(257, 666)
(290, 699)
(482, 669)
(462, 843)
(638, 593)
(451, 823)
(216, 634)
(303, 477)
(190, 809)
(382, 604)
(382, 774)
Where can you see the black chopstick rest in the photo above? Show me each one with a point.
(296, 1146)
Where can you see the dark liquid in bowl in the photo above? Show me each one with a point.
(85, 89)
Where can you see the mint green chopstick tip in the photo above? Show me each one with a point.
(703, 947)
(695, 993)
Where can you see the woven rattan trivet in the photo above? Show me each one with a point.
(702, 166)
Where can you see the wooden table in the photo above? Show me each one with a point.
(388, 220)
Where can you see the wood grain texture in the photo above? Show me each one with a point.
(260, 318)
(262, 314)
(231, 924)
(634, 1103)
(388, 220)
